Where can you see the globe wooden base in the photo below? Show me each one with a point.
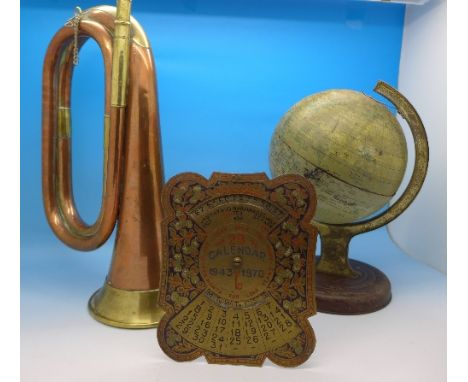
(366, 293)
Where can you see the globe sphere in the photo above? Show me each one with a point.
(351, 148)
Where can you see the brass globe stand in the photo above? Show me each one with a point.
(346, 286)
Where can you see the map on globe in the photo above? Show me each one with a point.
(350, 146)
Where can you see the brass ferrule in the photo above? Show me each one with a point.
(63, 123)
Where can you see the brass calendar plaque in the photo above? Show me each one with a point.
(238, 269)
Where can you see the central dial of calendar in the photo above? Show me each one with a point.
(237, 262)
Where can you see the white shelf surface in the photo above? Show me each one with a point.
(406, 341)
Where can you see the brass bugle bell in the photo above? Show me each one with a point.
(133, 171)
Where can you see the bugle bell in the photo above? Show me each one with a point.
(133, 171)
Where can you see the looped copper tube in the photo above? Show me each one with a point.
(59, 203)
(133, 171)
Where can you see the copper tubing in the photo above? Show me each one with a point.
(133, 171)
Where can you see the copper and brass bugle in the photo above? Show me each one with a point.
(133, 170)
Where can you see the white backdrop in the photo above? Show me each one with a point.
(421, 231)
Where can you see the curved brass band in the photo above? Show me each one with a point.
(335, 237)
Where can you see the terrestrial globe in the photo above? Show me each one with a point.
(353, 150)
(350, 146)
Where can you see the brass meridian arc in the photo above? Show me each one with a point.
(336, 237)
(408, 112)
